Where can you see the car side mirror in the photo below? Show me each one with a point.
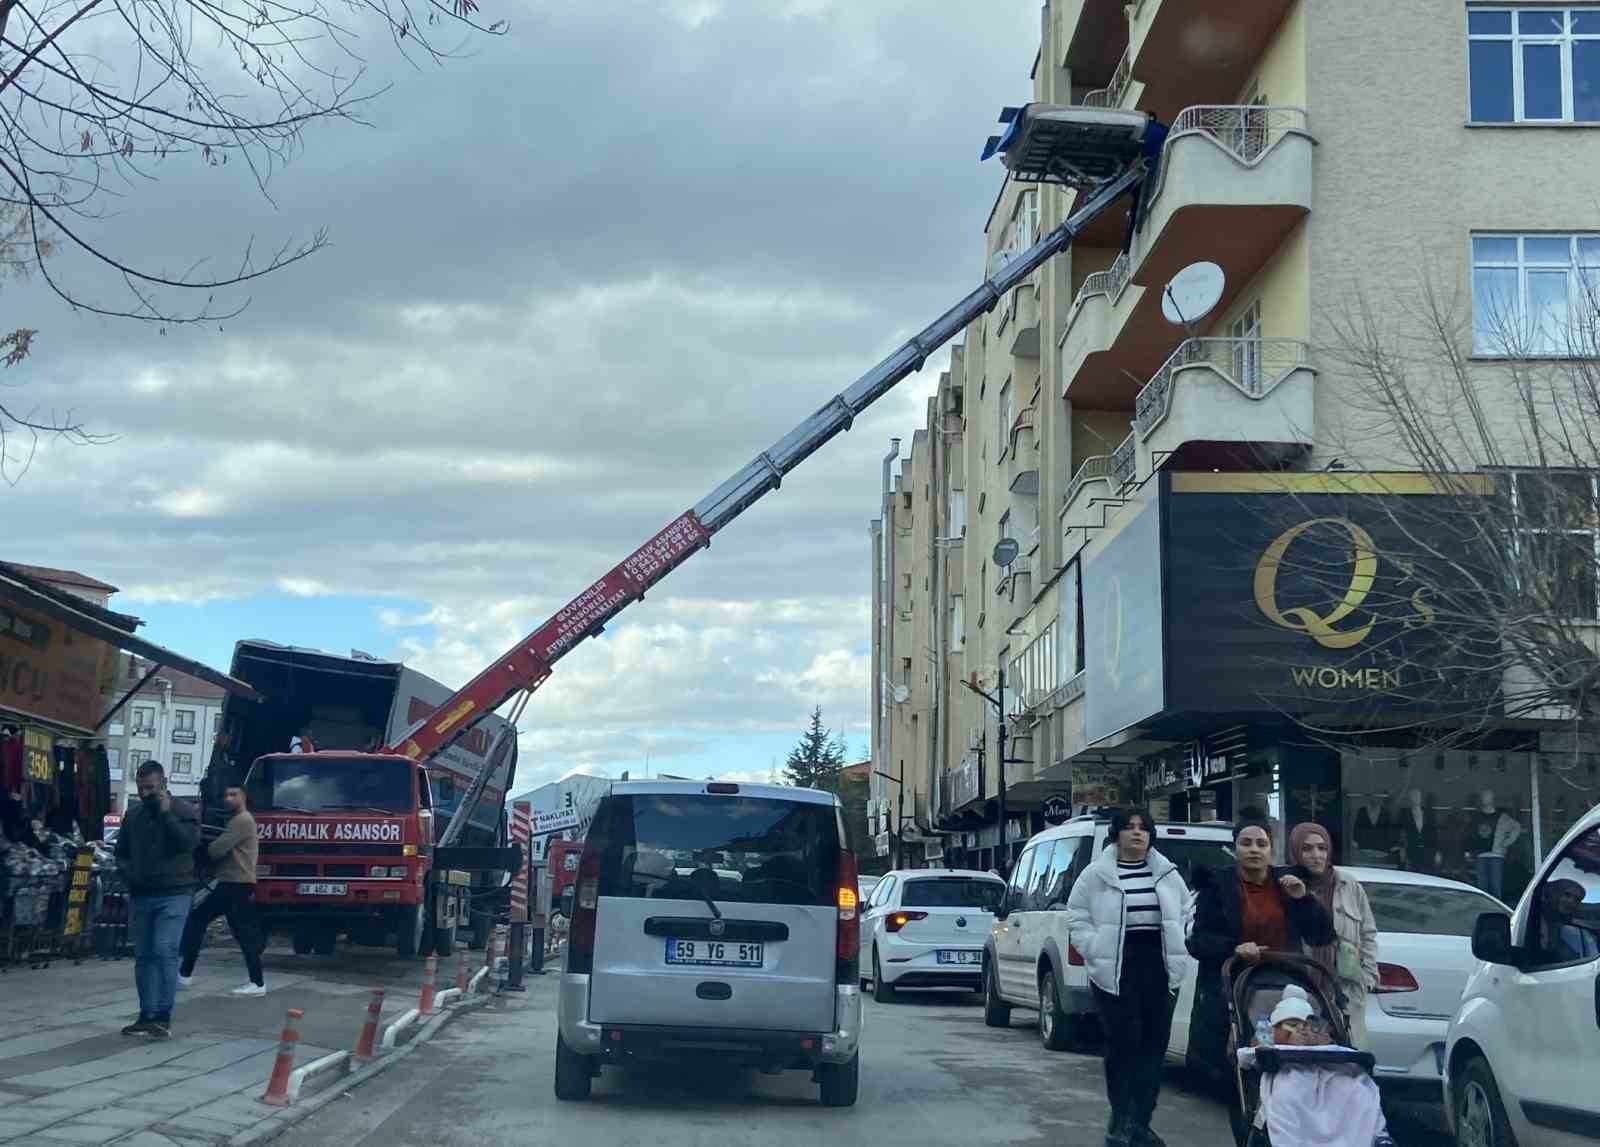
(1491, 939)
(569, 900)
(1003, 909)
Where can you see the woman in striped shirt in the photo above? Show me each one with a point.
(1126, 917)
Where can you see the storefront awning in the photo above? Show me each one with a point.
(107, 626)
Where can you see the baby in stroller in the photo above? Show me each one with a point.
(1294, 1059)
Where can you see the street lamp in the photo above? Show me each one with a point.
(899, 808)
(998, 700)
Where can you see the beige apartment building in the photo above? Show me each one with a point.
(1327, 158)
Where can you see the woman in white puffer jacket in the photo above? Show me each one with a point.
(1127, 917)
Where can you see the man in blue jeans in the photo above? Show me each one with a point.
(156, 851)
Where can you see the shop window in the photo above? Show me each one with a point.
(1463, 815)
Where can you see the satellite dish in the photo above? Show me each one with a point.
(1005, 552)
(1192, 294)
(901, 694)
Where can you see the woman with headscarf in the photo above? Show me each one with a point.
(1353, 955)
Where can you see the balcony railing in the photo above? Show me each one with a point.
(1125, 462)
(1245, 131)
(1253, 365)
(1099, 466)
(1111, 95)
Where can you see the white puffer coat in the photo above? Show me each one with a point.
(1096, 921)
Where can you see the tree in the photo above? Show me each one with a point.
(814, 762)
(96, 95)
(1496, 618)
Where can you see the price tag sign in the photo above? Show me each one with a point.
(78, 893)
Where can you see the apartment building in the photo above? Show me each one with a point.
(1080, 521)
(173, 718)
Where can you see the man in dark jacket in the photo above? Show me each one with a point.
(155, 849)
(1244, 911)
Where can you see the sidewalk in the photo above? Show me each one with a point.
(67, 1075)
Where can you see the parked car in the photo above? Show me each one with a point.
(1523, 1048)
(1029, 961)
(761, 970)
(926, 929)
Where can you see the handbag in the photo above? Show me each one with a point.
(1348, 963)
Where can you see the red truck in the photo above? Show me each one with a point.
(351, 839)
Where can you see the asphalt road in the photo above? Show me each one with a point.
(931, 1073)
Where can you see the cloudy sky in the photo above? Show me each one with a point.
(575, 281)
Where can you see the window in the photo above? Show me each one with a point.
(1068, 861)
(958, 622)
(1019, 879)
(1246, 333)
(1007, 415)
(183, 720)
(300, 784)
(1191, 855)
(1557, 540)
(182, 764)
(952, 892)
(1534, 65)
(1424, 911)
(1564, 920)
(144, 721)
(1069, 625)
(882, 893)
(1535, 294)
(137, 757)
(1034, 902)
(216, 723)
(958, 514)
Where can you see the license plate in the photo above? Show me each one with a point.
(318, 888)
(946, 956)
(714, 953)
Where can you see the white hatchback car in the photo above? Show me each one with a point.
(1523, 1052)
(925, 928)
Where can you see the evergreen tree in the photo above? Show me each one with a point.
(814, 762)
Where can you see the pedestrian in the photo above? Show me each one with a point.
(155, 849)
(233, 896)
(302, 741)
(1243, 911)
(1127, 916)
(1353, 956)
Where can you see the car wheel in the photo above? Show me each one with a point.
(574, 1076)
(444, 941)
(302, 943)
(325, 942)
(882, 991)
(840, 1082)
(1480, 1116)
(996, 1012)
(1055, 1026)
(409, 928)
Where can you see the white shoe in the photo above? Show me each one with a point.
(185, 981)
(250, 990)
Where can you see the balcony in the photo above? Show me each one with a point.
(1096, 35)
(183, 736)
(1225, 400)
(1023, 310)
(1022, 460)
(1233, 183)
(1198, 51)
(1115, 89)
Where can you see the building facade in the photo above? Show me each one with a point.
(174, 718)
(1090, 512)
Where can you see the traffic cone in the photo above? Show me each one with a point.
(277, 1093)
(369, 1029)
(425, 1003)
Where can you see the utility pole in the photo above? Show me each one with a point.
(998, 700)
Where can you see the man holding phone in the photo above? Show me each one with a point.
(156, 851)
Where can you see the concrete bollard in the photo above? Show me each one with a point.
(369, 1029)
(461, 972)
(277, 1093)
(425, 1002)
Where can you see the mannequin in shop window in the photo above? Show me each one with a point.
(1418, 837)
(1373, 831)
(1493, 832)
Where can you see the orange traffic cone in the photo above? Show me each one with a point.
(369, 1029)
(277, 1093)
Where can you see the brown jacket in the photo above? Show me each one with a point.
(235, 850)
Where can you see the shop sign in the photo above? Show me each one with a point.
(933, 850)
(1057, 808)
(110, 826)
(38, 757)
(1122, 623)
(1296, 600)
(880, 844)
(1096, 785)
(78, 892)
(1162, 774)
(48, 671)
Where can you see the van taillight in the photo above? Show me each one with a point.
(580, 930)
(848, 949)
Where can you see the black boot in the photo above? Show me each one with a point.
(1117, 1131)
(1143, 1136)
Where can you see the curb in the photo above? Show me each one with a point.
(280, 1122)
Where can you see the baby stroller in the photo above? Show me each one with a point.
(1315, 1091)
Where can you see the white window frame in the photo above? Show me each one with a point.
(1519, 40)
(183, 720)
(1246, 334)
(958, 621)
(137, 757)
(183, 764)
(957, 524)
(1574, 268)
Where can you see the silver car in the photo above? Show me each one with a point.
(713, 919)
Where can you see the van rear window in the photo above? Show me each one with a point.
(739, 850)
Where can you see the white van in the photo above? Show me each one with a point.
(1029, 961)
(1523, 1052)
(713, 919)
